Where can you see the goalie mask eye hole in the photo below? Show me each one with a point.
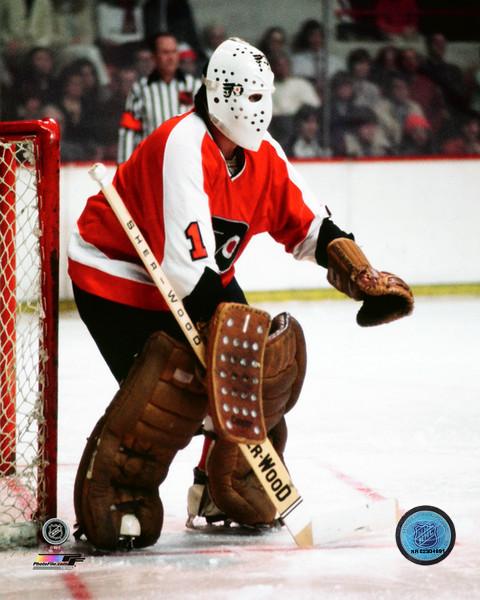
(255, 97)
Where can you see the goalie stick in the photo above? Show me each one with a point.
(261, 457)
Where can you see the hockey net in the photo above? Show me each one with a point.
(28, 327)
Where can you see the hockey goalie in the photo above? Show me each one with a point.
(199, 187)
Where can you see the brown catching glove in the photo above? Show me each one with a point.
(385, 296)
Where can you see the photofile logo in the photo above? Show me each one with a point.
(53, 562)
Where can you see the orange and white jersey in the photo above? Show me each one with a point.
(193, 214)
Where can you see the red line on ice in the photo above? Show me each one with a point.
(357, 485)
(76, 586)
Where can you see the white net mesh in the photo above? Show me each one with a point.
(21, 345)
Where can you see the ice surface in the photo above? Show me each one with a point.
(392, 411)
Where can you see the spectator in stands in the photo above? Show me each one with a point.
(75, 33)
(291, 93)
(305, 142)
(52, 111)
(213, 35)
(417, 137)
(143, 61)
(393, 110)
(24, 25)
(125, 78)
(359, 64)
(451, 141)
(175, 16)
(446, 75)
(120, 29)
(475, 88)
(6, 99)
(81, 127)
(111, 110)
(308, 59)
(273, 41)
(397, 19)
(341, 109)
(385, 65)
(36, 76)
(470, 129)
(422, 89)
(93, 92)
(364, 138)
(345, 26)
(154, 99)
(12, 31)
(30, 107)
(188, 60)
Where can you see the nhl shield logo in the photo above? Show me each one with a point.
(425, 534)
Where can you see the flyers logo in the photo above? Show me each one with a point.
(261, 61)
(229, 235)
(232, 88)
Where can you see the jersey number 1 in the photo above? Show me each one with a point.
(198, 250)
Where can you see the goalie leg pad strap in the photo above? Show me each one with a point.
(233, 486)
(157, 410)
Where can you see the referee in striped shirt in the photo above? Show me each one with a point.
(152, 100)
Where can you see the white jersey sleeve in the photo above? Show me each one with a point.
(189, 238)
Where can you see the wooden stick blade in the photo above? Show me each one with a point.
(275, 480)
(300, 526)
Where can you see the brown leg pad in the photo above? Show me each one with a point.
(155, 413)
(232, 484)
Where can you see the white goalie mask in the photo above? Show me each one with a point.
(239, 84)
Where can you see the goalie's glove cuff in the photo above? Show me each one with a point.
(327, 233)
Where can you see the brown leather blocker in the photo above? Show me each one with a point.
(157, 410)
(232, 484)
(235, 350)
(385, 296)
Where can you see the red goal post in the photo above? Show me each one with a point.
(29, 233)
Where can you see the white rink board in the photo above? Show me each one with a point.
(418, 218)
